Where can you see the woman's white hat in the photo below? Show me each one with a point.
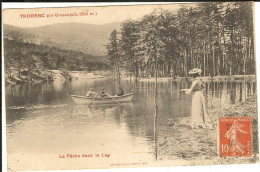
(194, 71)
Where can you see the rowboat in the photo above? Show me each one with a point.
(102, 100)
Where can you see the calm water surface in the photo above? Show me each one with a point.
(43, 122)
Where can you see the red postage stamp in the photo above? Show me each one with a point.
(235, 137)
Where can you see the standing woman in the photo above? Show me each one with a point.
(199, 113)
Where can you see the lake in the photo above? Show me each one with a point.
(44, 126)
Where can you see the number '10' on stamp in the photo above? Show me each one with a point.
(235, 136)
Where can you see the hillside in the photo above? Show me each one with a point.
(87, 38)
(28, 62)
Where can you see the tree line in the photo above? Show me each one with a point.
(215, 37)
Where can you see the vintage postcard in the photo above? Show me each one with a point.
(125, 86)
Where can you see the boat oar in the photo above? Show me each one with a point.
(93, 100)
(112, 98)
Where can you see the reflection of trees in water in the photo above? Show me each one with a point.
(48, 92)
(141, 121)
(27, 94)
(234, 90)
(138, 117)
(223, 94)
(15, 115)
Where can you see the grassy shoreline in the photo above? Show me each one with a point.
(199, 146)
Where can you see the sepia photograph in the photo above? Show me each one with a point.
(130, 86)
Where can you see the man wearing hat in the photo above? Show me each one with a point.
(199, 113)
(120, 91)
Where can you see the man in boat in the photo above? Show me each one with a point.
(91, 93)
(121, 91)
(103, 94)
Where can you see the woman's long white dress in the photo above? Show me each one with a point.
(199, 113)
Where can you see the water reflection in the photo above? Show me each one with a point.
(46, 113)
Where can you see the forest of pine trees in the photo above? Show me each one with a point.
(215, 37)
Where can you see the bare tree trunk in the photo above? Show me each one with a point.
(244, 58)
(185, 61)
(207, 63)
(204, 58)
(213, 62)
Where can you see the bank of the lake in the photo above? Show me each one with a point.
(35, 76)
(19, 77)
(41, 76)
(199, 146)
